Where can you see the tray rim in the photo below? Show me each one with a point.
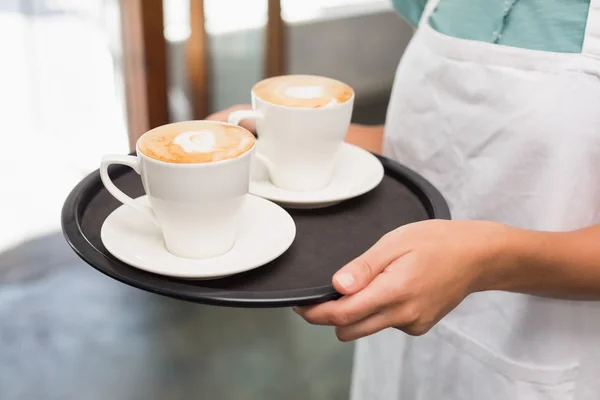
(72, 212)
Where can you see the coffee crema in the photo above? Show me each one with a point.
(303, 91)
(193, 142)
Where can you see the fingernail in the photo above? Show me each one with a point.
(345, 280)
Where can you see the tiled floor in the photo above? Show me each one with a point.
(68, 332)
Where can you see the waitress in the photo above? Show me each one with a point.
(497, 103)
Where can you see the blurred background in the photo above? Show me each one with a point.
(81, 78)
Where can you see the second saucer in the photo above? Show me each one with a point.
(356, 172)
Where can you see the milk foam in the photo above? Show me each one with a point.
(304, 92)
(332, 103)
(196, 141)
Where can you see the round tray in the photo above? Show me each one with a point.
(326, 239)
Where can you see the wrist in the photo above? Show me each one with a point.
(562, 265)
(368, 137)
(507, 258)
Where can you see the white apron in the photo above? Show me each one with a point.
(509, 135)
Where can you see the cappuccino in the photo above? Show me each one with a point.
(194, 200)
(193, 142)
(301, 121)
(303, 91)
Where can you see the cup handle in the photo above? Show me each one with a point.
(267, 163)
(129, 161)
(237, 116)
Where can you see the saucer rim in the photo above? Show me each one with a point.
(326, 201)
(205, 276)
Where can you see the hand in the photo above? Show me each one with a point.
(224, 115)
(410, 279)
(366, 136)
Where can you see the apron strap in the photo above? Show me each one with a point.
(591, 40)
(428, 10)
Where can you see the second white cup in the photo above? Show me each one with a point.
(297, 145)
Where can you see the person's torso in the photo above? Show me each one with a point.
(550, 25)
(510, 135)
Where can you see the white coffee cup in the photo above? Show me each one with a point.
(298, 146)
(196, 206)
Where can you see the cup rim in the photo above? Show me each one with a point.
(139, 153)
(305, 109)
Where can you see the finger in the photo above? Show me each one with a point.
(220, 116)
(357, 274)
(353, 308)
(223, 114)
(366, 327)
(397, 316)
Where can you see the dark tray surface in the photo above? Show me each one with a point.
(326, 239)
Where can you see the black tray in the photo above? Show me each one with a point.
(326, 239)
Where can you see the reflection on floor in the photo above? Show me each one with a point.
(68, 332)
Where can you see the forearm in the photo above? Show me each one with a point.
(551, 264)
(368, 137)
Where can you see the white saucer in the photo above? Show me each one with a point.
(356, 172)
(266, 231)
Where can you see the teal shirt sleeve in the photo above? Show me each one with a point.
(411, 10)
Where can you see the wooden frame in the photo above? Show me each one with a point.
(197, 61)
(144, 66)
(276, 39)
(145, 61)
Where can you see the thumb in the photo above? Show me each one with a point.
(358, 273)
